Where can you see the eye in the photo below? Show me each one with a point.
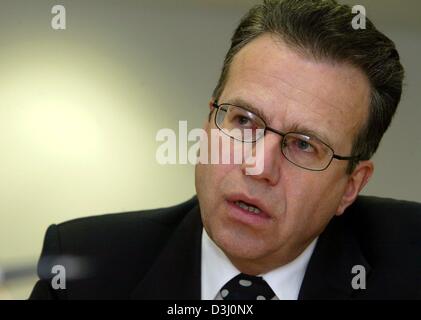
(299, 145)
(242, 120)
(304, 145)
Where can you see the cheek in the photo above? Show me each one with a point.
(218, 160)
(312, 200)
(211, 183)
(210, 177)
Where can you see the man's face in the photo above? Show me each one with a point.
(294, 93)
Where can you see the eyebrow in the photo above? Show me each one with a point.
(239, 102)
(295, 127)
(299, 128)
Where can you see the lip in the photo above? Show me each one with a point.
(243, 215)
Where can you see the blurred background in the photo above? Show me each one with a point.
(80, 109)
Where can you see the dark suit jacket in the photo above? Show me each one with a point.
(156, 254)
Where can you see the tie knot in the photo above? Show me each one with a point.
(247, 287)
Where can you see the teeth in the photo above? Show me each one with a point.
(249, 208)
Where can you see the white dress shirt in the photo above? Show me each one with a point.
(217, 270)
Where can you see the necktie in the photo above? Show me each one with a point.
(246, 287)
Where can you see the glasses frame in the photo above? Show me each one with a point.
(282, 134)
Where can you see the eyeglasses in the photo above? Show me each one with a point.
(302, 150)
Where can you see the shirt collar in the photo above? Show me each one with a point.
(217, 270)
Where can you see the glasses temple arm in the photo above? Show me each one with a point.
(347, 158)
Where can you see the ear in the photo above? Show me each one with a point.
(211, 102)
(211, 108)
(356, 182)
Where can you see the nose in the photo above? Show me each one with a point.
(267, 160)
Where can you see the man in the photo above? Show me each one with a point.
(323, 95)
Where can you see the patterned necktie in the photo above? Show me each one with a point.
(246, 287)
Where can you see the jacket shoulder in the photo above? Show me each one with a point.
(388, 232)
(111, 251)
(120, 230)
(386, 219)
(141, 224)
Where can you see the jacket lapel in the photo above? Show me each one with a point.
(176, 274)
(329, 272)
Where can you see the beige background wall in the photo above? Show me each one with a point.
(80, 108)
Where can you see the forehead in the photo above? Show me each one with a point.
(295, 91)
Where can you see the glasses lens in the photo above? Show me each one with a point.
(302, 150)
(239, 123)
(306, 151)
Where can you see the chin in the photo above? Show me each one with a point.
(234, 247)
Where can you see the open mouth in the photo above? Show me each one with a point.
(248, 207)
(248, 210)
